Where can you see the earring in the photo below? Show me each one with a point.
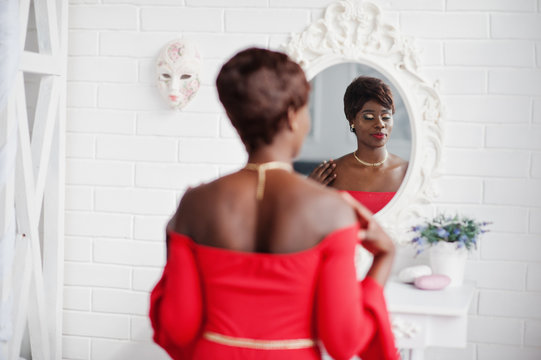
(352, 127)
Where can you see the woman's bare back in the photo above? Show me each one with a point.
(294, 214)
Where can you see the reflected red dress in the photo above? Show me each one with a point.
(373, 201)
(256, 299)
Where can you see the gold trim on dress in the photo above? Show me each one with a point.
(289, 344)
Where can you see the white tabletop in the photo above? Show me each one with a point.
(406, 298)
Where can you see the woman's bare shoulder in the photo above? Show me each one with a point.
(195, 200)
(343, 159)
(398, 161)
(324, 202)
(189, 200)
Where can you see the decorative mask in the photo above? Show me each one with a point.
(177, 71)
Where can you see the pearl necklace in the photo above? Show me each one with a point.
(379, 163)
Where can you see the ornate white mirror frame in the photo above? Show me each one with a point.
(354, 31)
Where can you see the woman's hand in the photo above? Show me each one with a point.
(372, 235)
(324, 172)
(375, 240)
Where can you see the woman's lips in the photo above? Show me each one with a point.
(378, 136)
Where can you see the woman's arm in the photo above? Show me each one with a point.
(375, 240)
(176, 309)
(352, 317)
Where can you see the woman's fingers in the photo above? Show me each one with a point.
(372, 235)
(324, 172)
(329, 179)
(328, 174)
(325, 168)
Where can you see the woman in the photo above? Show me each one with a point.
(260, 262)
(370, 174)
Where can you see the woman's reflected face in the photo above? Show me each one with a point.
(373, 124)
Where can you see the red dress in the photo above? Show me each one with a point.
(269, 299)
(373, 201)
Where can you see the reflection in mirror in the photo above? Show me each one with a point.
(371, 149)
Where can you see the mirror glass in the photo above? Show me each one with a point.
(330, 136)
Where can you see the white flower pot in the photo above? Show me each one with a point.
(446, 259)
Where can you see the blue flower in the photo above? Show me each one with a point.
(442, 233)
(456, 231)
(463, 238)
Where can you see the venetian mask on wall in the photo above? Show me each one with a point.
(177, 71)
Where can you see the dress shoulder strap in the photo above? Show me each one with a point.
(262, 168)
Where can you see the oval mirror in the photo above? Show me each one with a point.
(352, 39)
(330, 136)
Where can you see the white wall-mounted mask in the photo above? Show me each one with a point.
(177, 71)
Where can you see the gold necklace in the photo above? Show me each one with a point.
(379, 163)
(261, 168)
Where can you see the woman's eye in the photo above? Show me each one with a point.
(165, 77)
(369, 117)
(386, 118)
(185, 76)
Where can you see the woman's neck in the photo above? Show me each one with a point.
(371, 154)
(269, 153)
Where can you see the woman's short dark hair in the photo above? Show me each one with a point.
(257, 87)
(363, 89)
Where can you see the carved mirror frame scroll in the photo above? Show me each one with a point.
(354, 31)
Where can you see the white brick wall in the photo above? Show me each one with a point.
(78, 249)
(96, 325)
(77, 298)
(123, 17)
(76, 348)
(490, 53)
(492, 5)
(145, 279)
(102, 69)
(495, 330)
(103, 349)
(126, 252)
(81, 94)
(488, 109)
(149, 227)
(181, 19)
(130, 158)
(101, 121)
(83, 43)
(445, 25)
(120, 301)
(266, 21)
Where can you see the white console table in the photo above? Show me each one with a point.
(423, 318)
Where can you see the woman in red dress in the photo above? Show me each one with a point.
(370, 174)
(260, 263)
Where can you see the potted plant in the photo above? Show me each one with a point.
(450, 238)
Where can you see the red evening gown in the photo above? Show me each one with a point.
(373, 201)
(214, 303)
